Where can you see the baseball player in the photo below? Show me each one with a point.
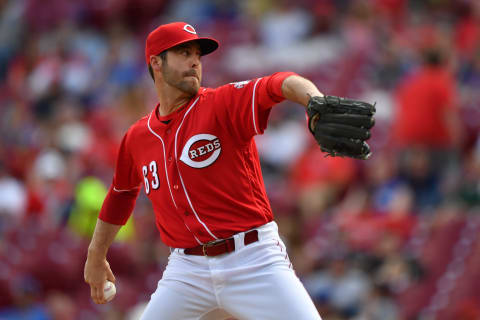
(196, 159)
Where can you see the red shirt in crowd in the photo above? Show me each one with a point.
(423, 103)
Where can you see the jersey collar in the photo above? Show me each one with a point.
(176, 113)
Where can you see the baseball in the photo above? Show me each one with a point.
(109, 290)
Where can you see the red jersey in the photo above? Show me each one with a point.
(199, 165)
(424, 101)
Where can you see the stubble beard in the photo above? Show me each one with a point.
(174, 79)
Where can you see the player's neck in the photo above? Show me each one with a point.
(170, 100)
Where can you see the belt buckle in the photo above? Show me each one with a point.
(210, 244)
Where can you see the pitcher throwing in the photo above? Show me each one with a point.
(196, 158)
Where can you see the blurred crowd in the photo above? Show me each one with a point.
(393, 237)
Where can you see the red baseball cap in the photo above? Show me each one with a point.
(169, 35)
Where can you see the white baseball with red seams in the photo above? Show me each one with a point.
(109, 290)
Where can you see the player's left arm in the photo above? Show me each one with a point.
(298, 89)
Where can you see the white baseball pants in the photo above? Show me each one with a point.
(255, 282)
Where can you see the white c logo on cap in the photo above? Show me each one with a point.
(189, 29)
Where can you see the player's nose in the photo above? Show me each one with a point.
(195, 62)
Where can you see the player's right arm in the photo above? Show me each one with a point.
(97, 269)
(116, 210)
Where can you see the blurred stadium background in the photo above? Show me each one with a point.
(394, 237)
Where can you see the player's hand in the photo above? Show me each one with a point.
(97, 271)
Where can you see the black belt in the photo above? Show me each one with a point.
(216, 248)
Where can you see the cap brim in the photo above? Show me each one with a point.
(207, 45)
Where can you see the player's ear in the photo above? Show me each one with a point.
(156, 63)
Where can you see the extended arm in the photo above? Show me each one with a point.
(116, 209)
(299, 90)
(97, 270)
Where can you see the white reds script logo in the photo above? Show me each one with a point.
(201, 150)
(189, 29)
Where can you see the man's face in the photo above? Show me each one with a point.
(182, 69)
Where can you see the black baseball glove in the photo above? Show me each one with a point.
(341, 126)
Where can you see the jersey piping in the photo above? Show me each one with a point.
(166, 172)
(164, 157)
(120, 190)
(180, 175)
(253, 106)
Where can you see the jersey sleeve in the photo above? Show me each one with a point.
(126, 176)
(243, 107)
(122, 195)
